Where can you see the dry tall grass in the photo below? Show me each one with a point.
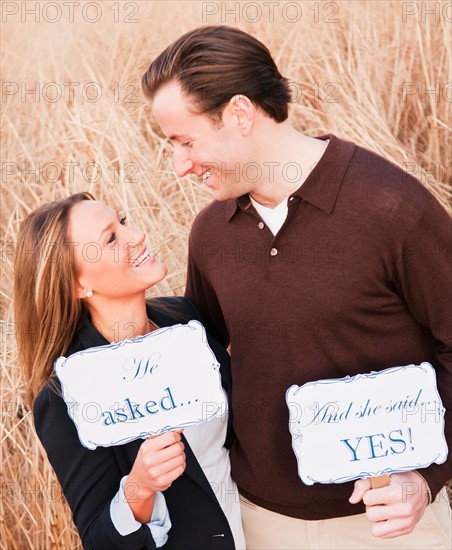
(364, 77)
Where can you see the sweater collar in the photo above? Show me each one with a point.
(321, 187)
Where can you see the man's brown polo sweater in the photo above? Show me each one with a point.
(358, 279)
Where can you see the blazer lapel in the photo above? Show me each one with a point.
(194, 470)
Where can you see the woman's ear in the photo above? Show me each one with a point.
(82, 291)
(242, 110)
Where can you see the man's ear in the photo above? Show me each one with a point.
(242, 111)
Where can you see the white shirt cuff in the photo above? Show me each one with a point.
(125, 523)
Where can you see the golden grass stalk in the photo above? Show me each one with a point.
(362, 72)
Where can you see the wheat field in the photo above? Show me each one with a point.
(74, 118)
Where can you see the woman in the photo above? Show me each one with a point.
(80, 278)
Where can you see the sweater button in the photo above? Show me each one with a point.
(261, 225)
(273, 252)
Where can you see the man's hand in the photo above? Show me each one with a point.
(393, 510)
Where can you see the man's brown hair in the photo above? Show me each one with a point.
(214, 63)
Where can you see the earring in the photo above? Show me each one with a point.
(89, 293)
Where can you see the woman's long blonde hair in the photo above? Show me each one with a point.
(47, 312)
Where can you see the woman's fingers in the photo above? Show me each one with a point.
(154, 453)
(164, 459)
(160, 460)
(163, 440)
(164, 474)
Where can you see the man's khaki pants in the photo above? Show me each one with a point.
(267, 530)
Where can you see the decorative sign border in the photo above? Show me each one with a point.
(302, 425)
(198, 359)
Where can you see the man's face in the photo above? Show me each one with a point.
(201, 148)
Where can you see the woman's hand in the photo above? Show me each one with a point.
(160, 460)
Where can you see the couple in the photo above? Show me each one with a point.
(314, 268)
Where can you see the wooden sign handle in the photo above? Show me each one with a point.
(379, 481)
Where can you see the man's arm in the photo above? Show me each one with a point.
(424, 280)
(201, 293)
(424, 269)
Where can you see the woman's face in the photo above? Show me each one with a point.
(111, 257)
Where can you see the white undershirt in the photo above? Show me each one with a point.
(206, 441)
(273, 217)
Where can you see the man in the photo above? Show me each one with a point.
(318, 259)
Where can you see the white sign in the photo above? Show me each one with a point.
(367, 425)
(167, 379)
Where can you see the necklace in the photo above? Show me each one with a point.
(152, 324)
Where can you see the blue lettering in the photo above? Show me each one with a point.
(148, 406)
(362, 412)
(373, 445)
(169, 396)
(143, 366)
(120, 415)
(397, 441)
(134, 409)
(417, 398)
(108, 416)
(407, 404)
(350, 448)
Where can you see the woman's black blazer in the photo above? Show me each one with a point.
(90, 479)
